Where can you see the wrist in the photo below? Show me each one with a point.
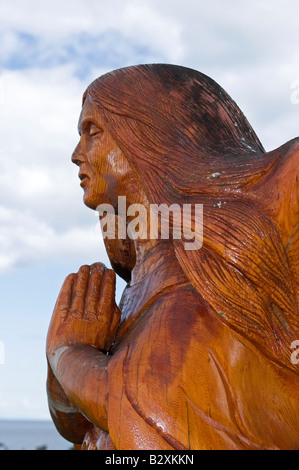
(55, 357)
(82, 371)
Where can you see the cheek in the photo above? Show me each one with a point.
(96, 161)
(117, 164)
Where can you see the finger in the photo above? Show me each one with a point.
(114, 322)
(64, 300)
(99, 266)
(106, 298)
(109, 313)
(93, 289)
(112, 328)
(79, 292)
(61, 309)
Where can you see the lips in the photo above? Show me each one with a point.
(83, 177)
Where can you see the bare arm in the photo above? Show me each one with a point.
(70, 423)
(82, 329)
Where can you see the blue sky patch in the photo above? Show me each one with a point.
(110, 49)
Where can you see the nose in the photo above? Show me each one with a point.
(77, 156)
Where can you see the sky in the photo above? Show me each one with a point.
(49, 53)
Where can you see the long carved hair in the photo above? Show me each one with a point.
(188, 142)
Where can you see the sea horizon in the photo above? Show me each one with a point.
(31, 434)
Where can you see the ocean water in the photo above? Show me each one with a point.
(31, 435)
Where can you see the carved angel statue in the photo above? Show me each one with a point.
(198, 353)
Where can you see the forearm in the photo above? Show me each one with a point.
(81, 371)
(69, 421)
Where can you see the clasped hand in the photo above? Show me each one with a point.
(85, 311)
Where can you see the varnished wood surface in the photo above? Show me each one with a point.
(198, 353)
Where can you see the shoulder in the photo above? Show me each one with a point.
(289, 162)
(278, 191)
(285, 168)
(285, 182)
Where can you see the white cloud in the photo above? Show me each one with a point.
(41, 105)
(42, 215)
(27, 240)
(53, 22)
(50, 52)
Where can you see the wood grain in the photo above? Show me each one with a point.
(198, 354)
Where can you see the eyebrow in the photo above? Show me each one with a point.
(87, 120)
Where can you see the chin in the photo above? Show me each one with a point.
(92, 202)
(94, 197)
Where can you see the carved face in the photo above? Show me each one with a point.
(104, 171)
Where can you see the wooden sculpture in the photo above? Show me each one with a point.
(198, 353)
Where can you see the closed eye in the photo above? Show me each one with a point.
(94, 130)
